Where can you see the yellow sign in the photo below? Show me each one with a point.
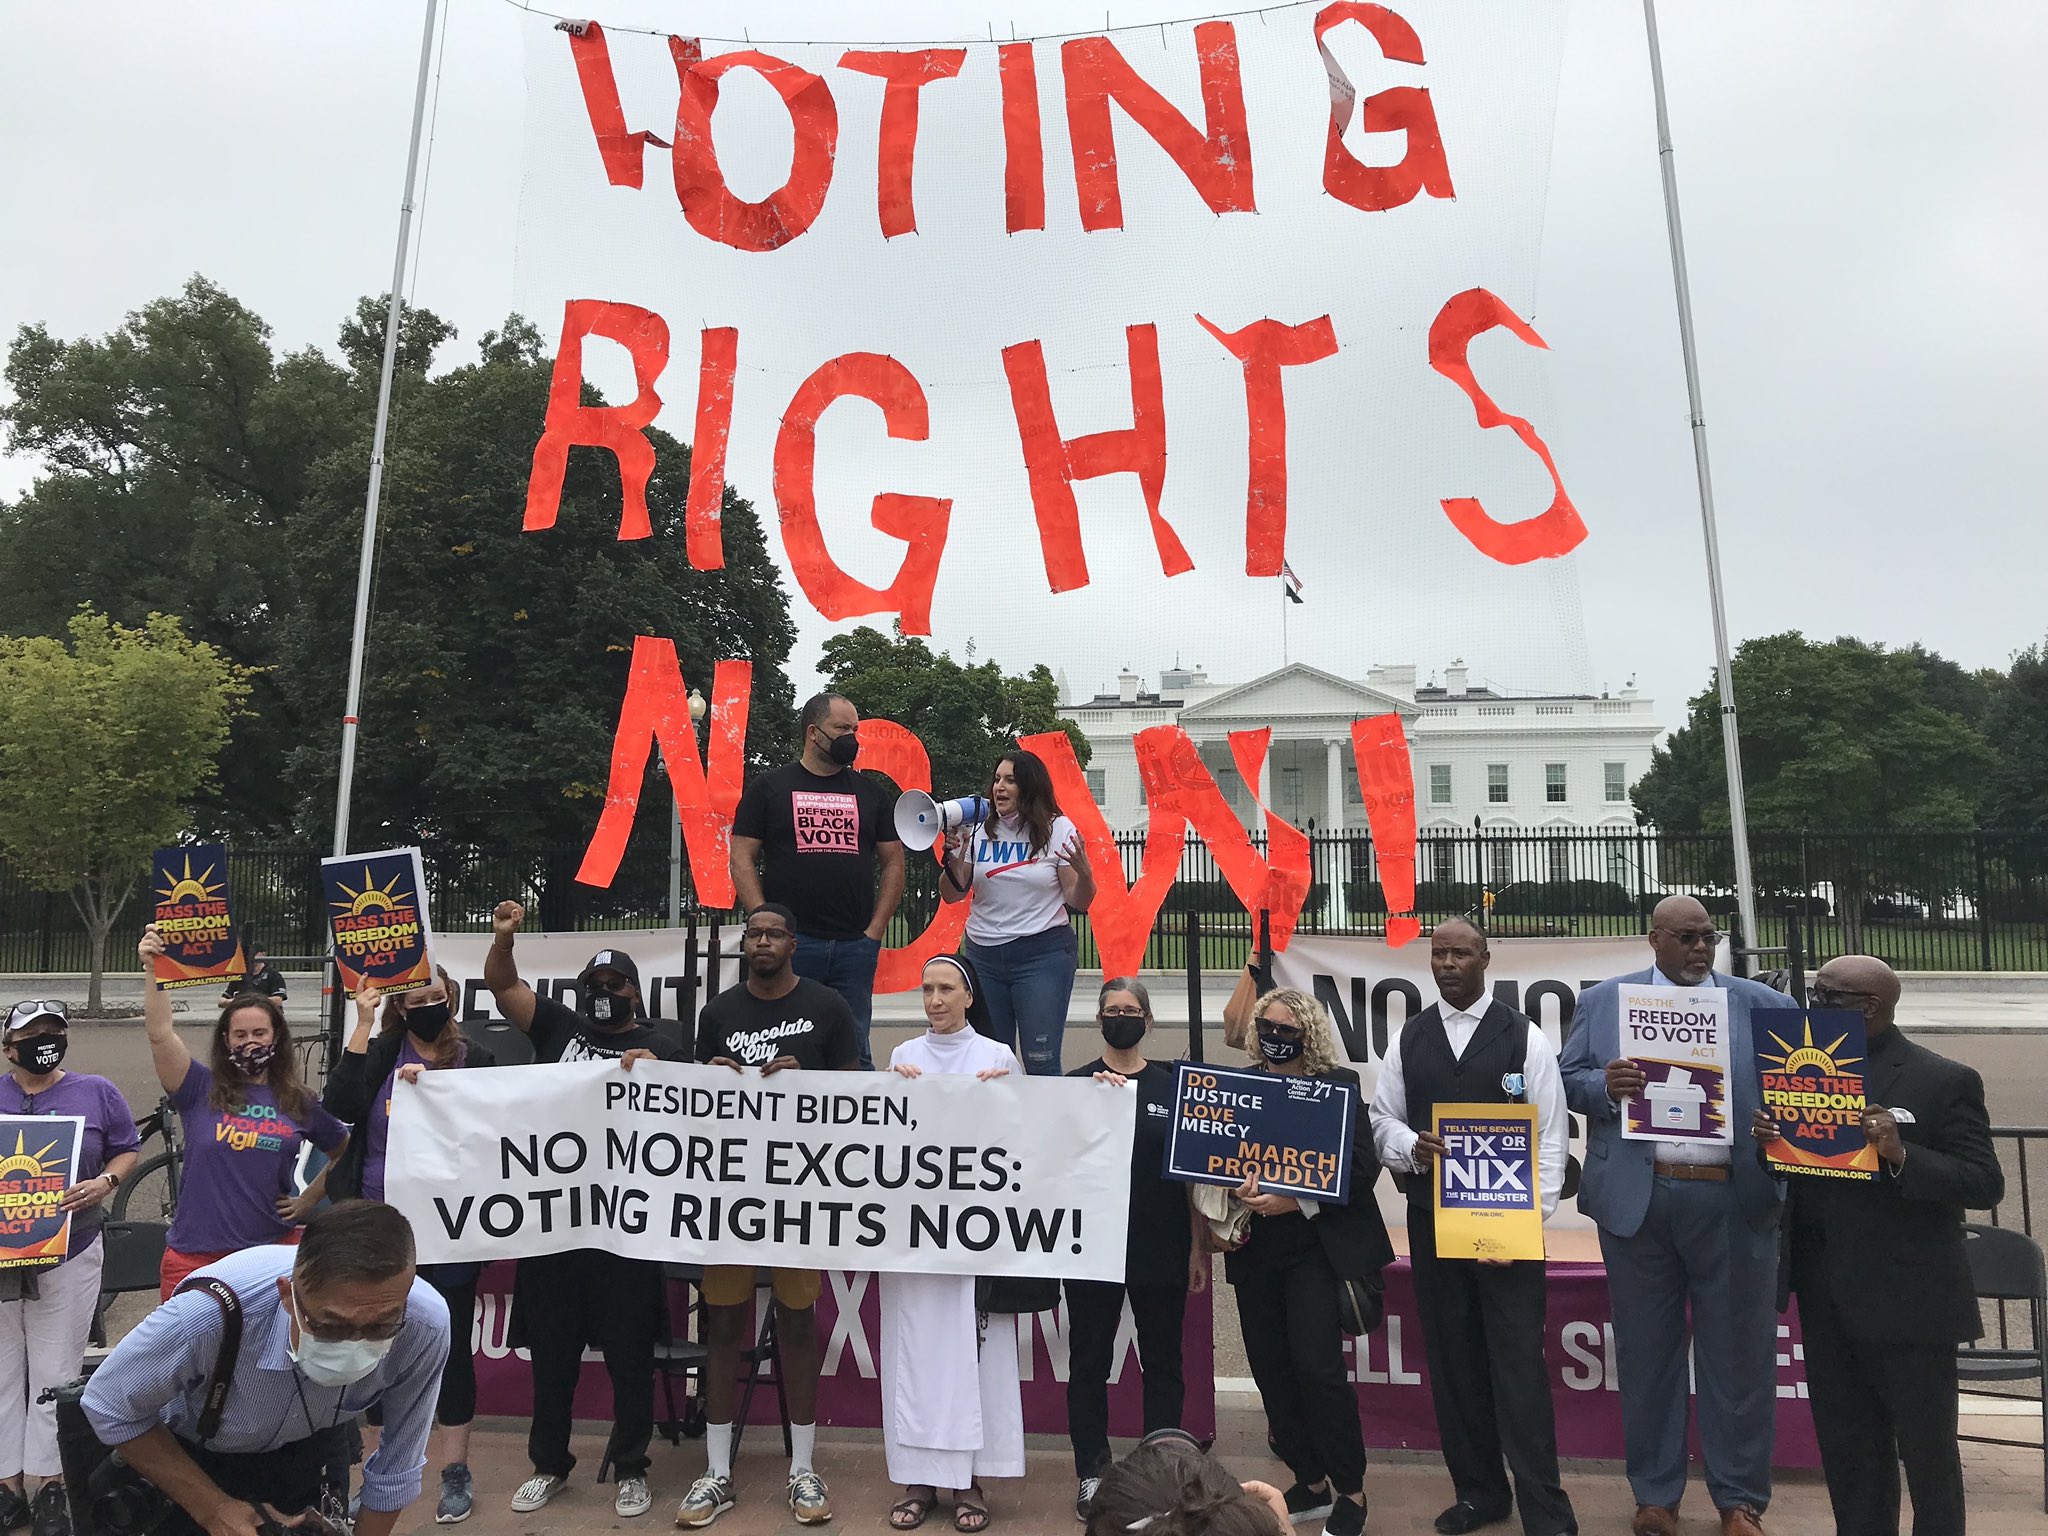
(1488, 1201)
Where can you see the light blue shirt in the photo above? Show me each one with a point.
(158, 1375)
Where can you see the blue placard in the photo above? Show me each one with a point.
(1296, 1131)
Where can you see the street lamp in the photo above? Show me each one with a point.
(675, 820)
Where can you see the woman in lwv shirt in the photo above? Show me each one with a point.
(1025, 866)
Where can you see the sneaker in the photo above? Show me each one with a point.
(1305, 1504)
(808, 1500)
(708, 1498)
(1085, 1499)
(456, 1495)
(14, 1510)
(536, 1491)
(1346, 1519)
(50, 1513)
(632, 1497)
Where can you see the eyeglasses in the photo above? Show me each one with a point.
(1123, 1013)
(21, 1013)
(772, 935)
(1279, 1031)
(341, 1333)
(1693, 937)
(1829, 997)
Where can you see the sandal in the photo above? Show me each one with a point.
(970, 1510)
(908, 1514)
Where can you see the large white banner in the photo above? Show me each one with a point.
(807, 1170)
(551, 962)
(1371, 989)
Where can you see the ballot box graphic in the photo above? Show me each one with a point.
(1678, 1105)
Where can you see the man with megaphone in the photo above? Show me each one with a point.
(819, 838)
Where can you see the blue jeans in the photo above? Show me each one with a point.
(847, 966)
(1027, 984)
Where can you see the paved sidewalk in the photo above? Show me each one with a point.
(1406, 1491)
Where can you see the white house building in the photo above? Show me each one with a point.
(1513, 763)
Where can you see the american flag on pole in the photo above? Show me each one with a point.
(1290, 583)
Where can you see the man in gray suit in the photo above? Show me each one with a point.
(1683, 1222)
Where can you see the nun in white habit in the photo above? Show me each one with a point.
(952, 1407)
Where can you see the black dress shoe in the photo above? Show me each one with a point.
(1466, 1516)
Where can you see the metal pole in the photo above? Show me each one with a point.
(675, 851)
(352, 708)
(1731, 740)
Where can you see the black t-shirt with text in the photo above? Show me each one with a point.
(818, 836)
(559, 1034)
(810, 1022)
(1161, 1231)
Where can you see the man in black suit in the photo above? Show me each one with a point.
(1482, 1319)
(1883, 1285)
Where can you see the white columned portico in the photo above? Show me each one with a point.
(1338, 868)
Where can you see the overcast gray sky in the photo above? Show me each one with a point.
(1864, 200)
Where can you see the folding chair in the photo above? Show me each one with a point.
(2006, 1266)
(133, 1261)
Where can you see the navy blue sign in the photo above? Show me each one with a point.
(1294, 1133)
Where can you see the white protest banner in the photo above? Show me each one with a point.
(1679, 1037)
(551, 962)
(803, 1170)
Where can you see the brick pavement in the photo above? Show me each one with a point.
(1406, 1490)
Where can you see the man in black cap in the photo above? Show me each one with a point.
(562, 1302)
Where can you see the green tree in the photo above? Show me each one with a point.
(497, 659)
(2017, 725)
(174, 453)
(104, 743)
(966, 714)
(1836, 735)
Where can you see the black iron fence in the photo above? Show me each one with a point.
(1924, 901)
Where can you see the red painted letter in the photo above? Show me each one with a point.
(1177, 780)
(1121, 916)
(1386, 782)
(1216, 160)
(1023, 139)
(617, 427)
(1055, 463)
(920, 521)
(707, 202)
(1401, 109)
(895, 750)
(1265, 347)
(703, 518)
(1555, 531)
(657, 709)
(624, 153)
(896, 155)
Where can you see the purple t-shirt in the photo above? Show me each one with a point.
(109, 1131)
(238, 1162)
(377, 1132)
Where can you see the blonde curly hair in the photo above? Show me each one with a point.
(1319, 1047)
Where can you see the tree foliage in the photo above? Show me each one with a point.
(1837, 734)
(966, 714)
(104, 742)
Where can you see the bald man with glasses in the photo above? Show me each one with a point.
(1879, 1269)
(1689, 1232)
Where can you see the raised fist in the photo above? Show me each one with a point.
(506, 918)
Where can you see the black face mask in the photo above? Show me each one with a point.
(1122, 1031)
(1279, 1049)
(426, 1021)
(43, 1053)
(607, 1010)
(844, 749)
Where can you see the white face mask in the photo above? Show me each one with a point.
(335, 1362)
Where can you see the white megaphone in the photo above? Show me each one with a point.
(922, 821)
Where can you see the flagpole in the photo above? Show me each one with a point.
(1286, 603)
(352, 706)
(1731, 737)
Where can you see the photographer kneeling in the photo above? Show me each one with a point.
(327, 1330)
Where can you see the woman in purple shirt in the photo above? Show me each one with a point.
(246, 1116)
(419, 1033)
(46, 1313)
